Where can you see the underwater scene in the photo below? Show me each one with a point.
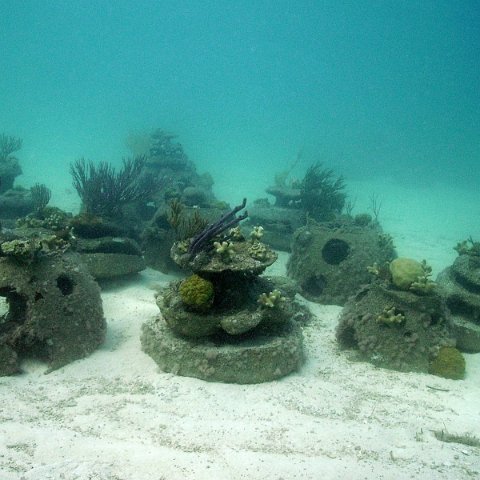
(239, 240)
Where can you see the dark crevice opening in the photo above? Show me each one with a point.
(14, 307)
(65, 284)
(335, 251)
(314, 285)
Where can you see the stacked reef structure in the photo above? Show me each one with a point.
(225, 322)
(168, 162)
(182, 202)
(460, 285)
(319, 196)
(105, 249)
(104, 230)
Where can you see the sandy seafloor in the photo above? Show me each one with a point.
(115, 416)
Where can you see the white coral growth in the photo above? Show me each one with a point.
(272, 299)
(256, 233)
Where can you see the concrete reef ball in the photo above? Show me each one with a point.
(51, 310)
(329, 262)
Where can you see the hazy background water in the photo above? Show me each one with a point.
(372, 88)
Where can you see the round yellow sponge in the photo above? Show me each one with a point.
(405, 271)
(197, 293)
(449, 363)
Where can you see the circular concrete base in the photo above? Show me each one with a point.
(251, 358)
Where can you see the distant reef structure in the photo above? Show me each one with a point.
(154, 199)
(9, 164)
(15, 201)
(320, 195)
(176, 175)
(182, 203)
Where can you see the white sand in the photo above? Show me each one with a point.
(115, 416)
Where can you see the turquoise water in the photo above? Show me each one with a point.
(385, 92)
(373, 89)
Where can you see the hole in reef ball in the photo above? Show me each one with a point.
(13, 307)
(3, 306)
(315, 285)
(335, 251)
(65, 285)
